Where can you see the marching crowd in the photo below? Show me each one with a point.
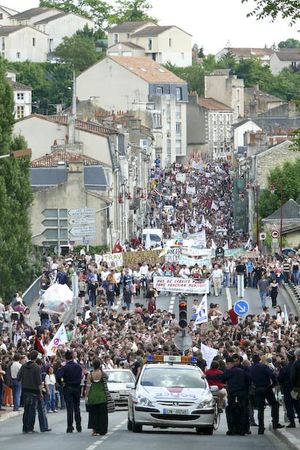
(119, 323)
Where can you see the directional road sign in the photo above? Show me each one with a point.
(241, 307)
(82, 224)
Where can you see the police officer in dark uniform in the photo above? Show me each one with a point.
(284, 379)
(70, 377)
(237, 384)
(264, 379)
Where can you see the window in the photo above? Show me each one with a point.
(238, 110)
(178, 94)
(178, 147)
(156, 120)
(178, 128)
(18, 55)
(178, 112)
(20, 112)
(20, 95)
(169, 148)
(3, 44)
(116, 38)
(150, 44)
(50, 45)
(1, 16)
(33, 42)
(170, 42)
(238, 95)
(159, 91)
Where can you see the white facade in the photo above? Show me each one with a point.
(121, 34)
(219, 133)
(30, 19)
(240, 130)
(173, 45)
(277, 64)
(58, 27)
(23, 101)
(24, 44)
(123, 49)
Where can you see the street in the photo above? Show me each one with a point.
(11, 437)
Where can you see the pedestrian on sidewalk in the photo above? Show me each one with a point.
(30, 377)
(263, 288)
(16, 384)
(70, 376)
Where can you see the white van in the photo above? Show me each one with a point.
(155, 236)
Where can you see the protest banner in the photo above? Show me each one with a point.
(173, 255)
(131, 259)
(185, 260)
(183, 285)
(195, 251)
(59, 338)
(208, 353)
(180, 177)
(112, 259)
(202, 311)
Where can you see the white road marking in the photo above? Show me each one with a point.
(229, 299)
(114, 429)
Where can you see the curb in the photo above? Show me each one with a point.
(9, 415)
(288, 438)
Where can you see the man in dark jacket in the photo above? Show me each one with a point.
(30, 377)
(295, 378)
(284, 378)
(264, 379)
(70, 377)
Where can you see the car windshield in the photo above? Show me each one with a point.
(120, 376)
(153, 237)
(172, 377)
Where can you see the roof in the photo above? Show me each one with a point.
(95, 178)
(128, 27)
(90, 127)
(8, 10)
(29, 13)
(147, 69)
(51, 18)
(9, 29)
(211, 103)
(250, 51)
(19, 86)
(52, 159)
(253, 91)
(153, 30)
(290, 211)
(289, 54)
(242, 122)
(128, 44)
(48, 176)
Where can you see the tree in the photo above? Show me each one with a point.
(78, 51)
(289, 43)
(274, 8)
(96, 10)
(193, 75)
(15, 200)
(131, 11)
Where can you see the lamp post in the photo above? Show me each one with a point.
(272, 189)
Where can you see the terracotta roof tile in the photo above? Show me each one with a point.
(211, 103)
(53, 159)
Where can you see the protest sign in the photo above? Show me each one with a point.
(59, 338)
(185, 260)
(180, 177)
(202, 311)
(112, 259)
(208, 354)
(183, 285)
(190, 190)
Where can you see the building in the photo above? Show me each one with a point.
(287, 218)
(163, 44)
(32, 15)
(5, 15)
(240, 130)
(258, 102)
(145, 87)
(22, 97)
(240, 53)
(126, 49)
(227, 89)
(22, 42)
(285, 58)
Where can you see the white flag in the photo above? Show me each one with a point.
(213, 245)
(202, 311)
(208, 353)
(59, 338)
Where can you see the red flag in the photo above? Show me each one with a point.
(38, 345)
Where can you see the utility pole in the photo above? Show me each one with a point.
(257, 217)
(281, 217)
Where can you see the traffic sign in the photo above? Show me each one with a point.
(183, 341)
(82, 224)
(83, 231)
(82, 212)
(275, 234)
(262, 236)
(241, 307)
(78, 220)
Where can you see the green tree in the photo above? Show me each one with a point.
(193, 75)
(289, 43)
(275, 8)
(15, 200)
(96, 10)
(283, 180)
(253, 72)
(131, 11)
(78, 51)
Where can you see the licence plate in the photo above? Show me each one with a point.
(175, 411)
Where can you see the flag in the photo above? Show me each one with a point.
(213, 245)
(247, 245)
(203, 223)
(214, 206)
(59, 338)
(147, 242)
(208, 353)
(202, 311)
(225, 246)
(208, 225)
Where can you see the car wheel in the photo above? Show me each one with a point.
(137, 428)
(129, 424)
(208, 431)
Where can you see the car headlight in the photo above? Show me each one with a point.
(206, 403)
(143, 401)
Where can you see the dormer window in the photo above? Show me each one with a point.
(116, 38)
(150, 44)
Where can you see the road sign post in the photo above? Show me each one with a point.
(240, 285)
(82, 224)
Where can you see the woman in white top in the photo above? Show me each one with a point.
(50, 382)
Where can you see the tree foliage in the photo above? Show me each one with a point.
(194, 75)
(283, 179)
(15, 200)
(78, 51)
(131, 11)
(287, 9)
(289, 43)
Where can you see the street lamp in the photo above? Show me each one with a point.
(281, 212)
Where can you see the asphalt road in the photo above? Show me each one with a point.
(118, 438)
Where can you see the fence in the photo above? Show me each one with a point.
(32, 293)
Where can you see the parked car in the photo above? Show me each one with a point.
(120, 382)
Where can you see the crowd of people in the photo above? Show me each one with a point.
(119, 322)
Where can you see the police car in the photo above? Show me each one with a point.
(171, 393)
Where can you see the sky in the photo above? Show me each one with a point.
(214, 24)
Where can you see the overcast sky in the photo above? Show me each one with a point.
(213, 23)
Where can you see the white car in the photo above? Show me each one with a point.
(119, 383)
(171, 395)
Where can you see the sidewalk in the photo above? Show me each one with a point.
(289, 436)
(9, 413)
